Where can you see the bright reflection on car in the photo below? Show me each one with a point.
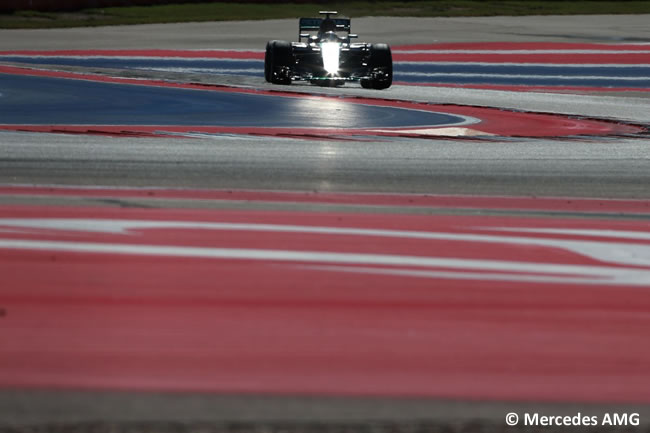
(330, 52)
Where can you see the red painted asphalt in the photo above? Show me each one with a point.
(557, 59)
(190, 54)
(508, 308)
(536, 46)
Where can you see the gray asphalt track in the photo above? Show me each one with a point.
(613, 167)
(602, 168)
(395, 31)
(281, 414)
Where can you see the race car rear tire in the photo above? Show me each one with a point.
(380, 66)
(268, 61)
(278, 62)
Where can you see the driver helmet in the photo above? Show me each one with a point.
(328, 25)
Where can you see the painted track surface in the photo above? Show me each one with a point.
(521, 66)
(587, 288)
(328, 303)
(156, 107)
(46, 101)
(85, 102)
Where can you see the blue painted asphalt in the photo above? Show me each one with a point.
(59, 101)
(216, 66)
(620, 76)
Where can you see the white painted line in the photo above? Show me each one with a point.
(444, 131)
(465, 275)
(515, 75)
(618, 234)
(167, 58)
(526, 64)
(618, 253)
(605, 275)
(620, 52)
(203, 70)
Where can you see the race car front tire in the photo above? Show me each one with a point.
(278, 62)
(380, 66)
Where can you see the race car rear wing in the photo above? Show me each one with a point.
(313, 24)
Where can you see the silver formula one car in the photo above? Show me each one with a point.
(324, 55)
